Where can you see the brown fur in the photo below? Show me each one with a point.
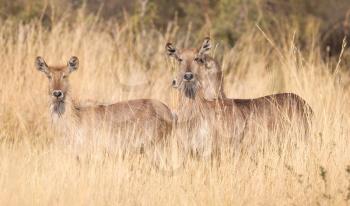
(147, 115)
(239, 115)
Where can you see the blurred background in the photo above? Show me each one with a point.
(226, 20)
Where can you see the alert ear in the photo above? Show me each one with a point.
(41, 65)
(205, 47)
(73, 63)
(172, 51)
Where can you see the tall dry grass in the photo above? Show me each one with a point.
(118, 64)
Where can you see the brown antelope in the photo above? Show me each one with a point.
(212, 81)
(147, 115)
(203, 99)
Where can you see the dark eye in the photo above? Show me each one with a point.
(48, 76)
(64, 76)
(199, 60)
(180, 60)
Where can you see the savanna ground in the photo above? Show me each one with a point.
(117, 63)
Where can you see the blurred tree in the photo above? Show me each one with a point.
(227, 20)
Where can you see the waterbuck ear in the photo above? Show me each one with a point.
(73, 63)
(41, 65)
(171, 51)
(205, 47)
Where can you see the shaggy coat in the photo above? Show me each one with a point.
(150, 118)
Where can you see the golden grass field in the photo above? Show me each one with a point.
(119, 64)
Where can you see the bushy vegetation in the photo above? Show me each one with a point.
(227, 20)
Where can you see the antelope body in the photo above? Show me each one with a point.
(200, 82)
(147, 116)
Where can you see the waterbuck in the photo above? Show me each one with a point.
(203, 100)
(149, 118)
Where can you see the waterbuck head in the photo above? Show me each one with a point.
(197, 69)
(58, 81)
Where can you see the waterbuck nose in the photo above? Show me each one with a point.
(188, 76)
(57, 93)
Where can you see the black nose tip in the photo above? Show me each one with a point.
(57, 93)
(188, 76)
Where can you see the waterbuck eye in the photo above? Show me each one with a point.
(64, 76)
(180, 60)
(49, 77)
(199, 60)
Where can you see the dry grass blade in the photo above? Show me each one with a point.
(36, 170)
